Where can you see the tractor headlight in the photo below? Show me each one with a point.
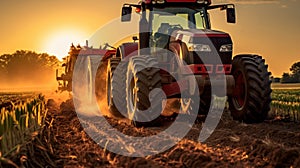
(226, 48)
(158, 1)
(200, 47)
(204, 2)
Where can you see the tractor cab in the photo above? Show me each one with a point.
(165, 21)
(160, 18)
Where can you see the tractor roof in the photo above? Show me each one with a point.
(177, 2)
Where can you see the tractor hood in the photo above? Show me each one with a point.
(207, 37)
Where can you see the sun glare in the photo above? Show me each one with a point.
(58, 43)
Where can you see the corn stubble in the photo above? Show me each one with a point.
(21, 121)
(286, 104)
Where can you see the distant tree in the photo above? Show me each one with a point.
(294, 76)
(295, 69)
(275, 79)
(286, 78)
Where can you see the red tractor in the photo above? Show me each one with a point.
(183, 28)
(176, 43)
(66, 78)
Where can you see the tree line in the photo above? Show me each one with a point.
(27, 68)
(293, 76)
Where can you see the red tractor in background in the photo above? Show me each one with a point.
(65, 80)
(177, 35)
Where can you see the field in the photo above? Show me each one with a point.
(279, 86)
(62, 142)
(8, 98)
(286, 104)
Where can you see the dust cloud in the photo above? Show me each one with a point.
(39, 81)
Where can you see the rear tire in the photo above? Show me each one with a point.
(143, 77)
(115, 87)
(251, 97)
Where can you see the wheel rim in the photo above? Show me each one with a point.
(109, 92)
(185, 104)
(89, 80)
(132, 98)
(240, 91)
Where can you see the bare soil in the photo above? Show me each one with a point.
(233, 144)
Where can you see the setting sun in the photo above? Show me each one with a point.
(58, 43)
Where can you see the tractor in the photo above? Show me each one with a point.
(176, 43)
(66, 78)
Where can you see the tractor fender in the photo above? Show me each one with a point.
(175, 46)
(127, 50)
(179, 48)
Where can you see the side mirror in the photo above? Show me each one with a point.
(126, 14)
(230, 12)
(135, 38)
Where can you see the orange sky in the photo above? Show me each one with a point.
(266, 27)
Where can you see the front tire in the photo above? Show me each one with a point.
(144, 103)
(251, 97)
